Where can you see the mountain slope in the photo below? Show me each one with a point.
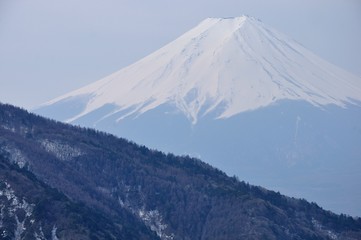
(175, 197)
(32, 210)
(244, 98)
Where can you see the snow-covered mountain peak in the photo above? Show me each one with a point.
(223, 65)
(237, 19)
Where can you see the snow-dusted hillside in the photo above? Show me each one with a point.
(246, 99)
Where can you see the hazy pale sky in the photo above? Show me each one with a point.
(48, 48)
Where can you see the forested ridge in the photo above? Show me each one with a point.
(103, 187)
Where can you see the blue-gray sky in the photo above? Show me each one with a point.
(48, 48)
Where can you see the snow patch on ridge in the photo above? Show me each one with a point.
(16, 156)
(154, 221)
(62, 151)
(133, 200)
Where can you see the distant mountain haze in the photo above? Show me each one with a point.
(243, 97)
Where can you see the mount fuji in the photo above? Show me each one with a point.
(244, 98)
